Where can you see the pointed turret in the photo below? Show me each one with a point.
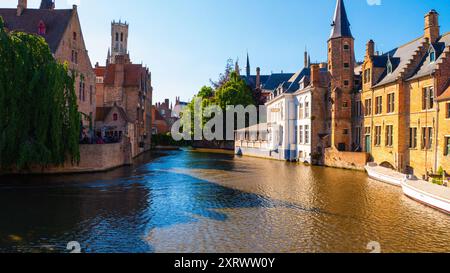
(248, 66)
(47, 4)
(108, 57)
(341, 25)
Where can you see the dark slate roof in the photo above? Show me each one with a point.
(276, 79)
(400, 58)
(56, 22)
(427, 67)
(341, 25)
(251, 81)
(47, 4)
(293, 84)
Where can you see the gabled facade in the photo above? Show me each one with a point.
(128, 86)
(61, 29)
(404, 128)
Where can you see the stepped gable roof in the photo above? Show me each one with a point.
(400, 58)
(55, 20)
(446, 94)
(427, 67)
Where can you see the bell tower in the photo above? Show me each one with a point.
(341, 63)
(119, 40)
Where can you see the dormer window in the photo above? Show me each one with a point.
(389, 68)
(432, 55)
(389, 65)
(42, 28)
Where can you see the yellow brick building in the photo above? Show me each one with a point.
(405, 125)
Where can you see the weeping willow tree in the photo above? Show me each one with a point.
(39, 119)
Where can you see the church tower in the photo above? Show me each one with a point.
(341, 63)
(119, 40)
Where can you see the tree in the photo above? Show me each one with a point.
(39, 118)
(223, 77)
(234, 92)
(206, 92)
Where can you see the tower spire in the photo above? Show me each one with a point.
(248, 66)
(47, 4)
(341, 25)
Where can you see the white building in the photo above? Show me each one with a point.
(296, 120)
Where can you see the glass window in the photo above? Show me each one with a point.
(412, 138)
(391, 103)
(300, 138)
(432, 55)
(379, 105)
(447, 146)
(389, 135)
(368, 107)
(306, 109)
(377, 135)
(306, 134)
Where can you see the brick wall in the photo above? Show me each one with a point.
(345, 160)
(94, 158)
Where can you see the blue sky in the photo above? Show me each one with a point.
(187, 42)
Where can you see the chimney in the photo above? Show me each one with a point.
(258, 77)
(432, 29)
(370, 48)
(21, 7)
(315, 75)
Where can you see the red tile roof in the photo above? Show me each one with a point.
(132, 74)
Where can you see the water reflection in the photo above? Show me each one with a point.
(193, 202)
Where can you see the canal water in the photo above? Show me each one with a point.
(183, 201)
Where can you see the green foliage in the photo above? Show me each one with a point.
(230, 90)
(40, 123)
(206, 92)
(234, 92)
(167, 140)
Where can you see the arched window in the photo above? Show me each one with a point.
(115, 117)
(42, 28)
(117, 36)
(121, 37)
(74, 36)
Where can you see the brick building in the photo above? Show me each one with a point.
(62, 31)
(405, 102)
(125, 86)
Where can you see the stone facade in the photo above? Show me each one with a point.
(404, 127)
(127, 86)
(62, 31)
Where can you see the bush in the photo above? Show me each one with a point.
(167, 140)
